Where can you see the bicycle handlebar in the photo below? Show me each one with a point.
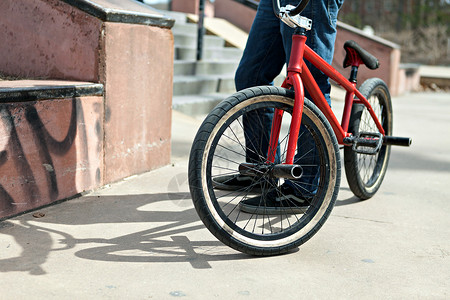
(300, 7)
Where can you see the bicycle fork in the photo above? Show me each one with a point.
(292, 80)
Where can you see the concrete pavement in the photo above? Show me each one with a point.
(141, 238)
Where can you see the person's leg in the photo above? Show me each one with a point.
(264, 56)
(262, 61)
(321, 39)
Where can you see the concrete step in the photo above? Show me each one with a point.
(208, 84)
(184, 28)
(160, 5)
(197, 105)
(209, 41)
(163, 8)
(227, 53)
(233, 35)
(51, 142)
(201, 84)
(205, 67)
(180, 18)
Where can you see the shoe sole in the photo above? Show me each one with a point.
(226, 187)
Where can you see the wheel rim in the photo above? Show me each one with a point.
(225, 149)
(371, 166)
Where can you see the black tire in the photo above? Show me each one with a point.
(219, 148)
(365, 172)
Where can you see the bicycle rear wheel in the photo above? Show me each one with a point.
(365, 172)
(220, 148)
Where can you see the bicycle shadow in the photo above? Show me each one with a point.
(172, 234)
(349, 201)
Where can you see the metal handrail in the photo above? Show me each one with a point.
(200, 30)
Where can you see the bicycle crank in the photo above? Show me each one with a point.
(371, 142)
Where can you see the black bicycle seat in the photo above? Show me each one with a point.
(351, 47)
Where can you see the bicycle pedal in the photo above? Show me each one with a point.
(370, 142)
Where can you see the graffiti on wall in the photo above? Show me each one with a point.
(37, 167)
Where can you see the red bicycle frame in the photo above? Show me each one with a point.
(298, 77)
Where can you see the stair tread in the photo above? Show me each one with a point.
(32, 90)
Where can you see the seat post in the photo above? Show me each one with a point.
(354, 74)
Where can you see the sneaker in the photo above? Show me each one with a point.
(282, 200)
(237, 182)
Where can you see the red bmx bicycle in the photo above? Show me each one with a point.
(220, 150)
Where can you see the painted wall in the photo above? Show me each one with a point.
(48, 39)
(56, 148)
(137, 68)
(49, 150)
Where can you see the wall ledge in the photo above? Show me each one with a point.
(123, 11)
(35, 90)
(368, 36)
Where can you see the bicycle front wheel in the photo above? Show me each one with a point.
(221, 146)
(365, 172)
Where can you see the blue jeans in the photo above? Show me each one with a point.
(267, 50)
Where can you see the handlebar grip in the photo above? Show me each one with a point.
(300, 7)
